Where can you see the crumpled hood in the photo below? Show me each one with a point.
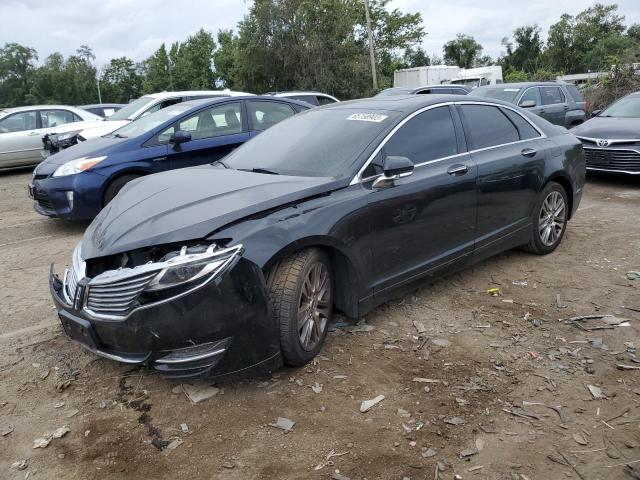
(76, 126)
(104, 128)
(609, 128)
(189, 204)
(95, 148)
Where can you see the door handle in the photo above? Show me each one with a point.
(33, 134)
(159, 159)
(457, 170)
(542, 110)
(528, 152)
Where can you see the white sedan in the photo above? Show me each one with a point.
(21, 130)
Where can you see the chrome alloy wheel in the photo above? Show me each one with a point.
(315, 302)
(551, 221)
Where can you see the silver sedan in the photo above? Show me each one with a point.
(21, 130)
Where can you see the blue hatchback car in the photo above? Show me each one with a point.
(78, 182)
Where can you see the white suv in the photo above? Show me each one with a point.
(314, 98)
(58, 138)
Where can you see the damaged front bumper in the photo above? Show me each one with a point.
(223, 329)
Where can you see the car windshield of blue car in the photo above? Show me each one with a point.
(625, 108)
(317, 143)
(149, 122)
(505, 94)
(128, 110)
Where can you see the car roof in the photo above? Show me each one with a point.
(102, 105)
(4, 111)
(200, 102)
(410, 103)
(230, 93)
(298, 92)
(522, 85)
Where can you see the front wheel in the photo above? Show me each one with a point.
(115, 186)
(300, 290)
(550, 220)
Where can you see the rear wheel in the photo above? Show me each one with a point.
(550, 220)
(115, 186)
(300, 290)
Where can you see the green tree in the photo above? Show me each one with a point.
(120, 82)
(191, 62)
(224, 59)
(17, 65)
(416, 58)
(156, 72)
(464, 51)
(524, 52)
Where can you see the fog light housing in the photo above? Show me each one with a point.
(195, 353)
(69, 195)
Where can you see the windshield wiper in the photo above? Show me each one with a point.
(119, 135)
(259, 170)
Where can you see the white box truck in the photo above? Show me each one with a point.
(478, 77)
(421, 76)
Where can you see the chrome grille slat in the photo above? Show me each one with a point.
(117, 297)
(612, 159)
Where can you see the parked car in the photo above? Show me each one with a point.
(314, 98)
(79, 181)
(21, 129)
(557, 102)
(426, 90)
(57, 139)
(103, 110)
(611, 139)
(233, 268)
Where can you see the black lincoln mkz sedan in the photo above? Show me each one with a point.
(236, 267)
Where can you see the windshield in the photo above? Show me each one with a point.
(317, 143)
(149, 122)
(506, 94)
(628, 107)
(128, 110)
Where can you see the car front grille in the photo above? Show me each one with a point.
(613, 159)
(71, 283)
(117, 298)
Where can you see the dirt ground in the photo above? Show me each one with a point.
(504, 391)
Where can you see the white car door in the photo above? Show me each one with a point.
(20, 139)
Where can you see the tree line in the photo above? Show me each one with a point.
(313, 45)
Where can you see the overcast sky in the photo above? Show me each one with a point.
(135, 28)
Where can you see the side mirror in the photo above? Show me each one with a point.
(180, 137)
(394, 167)
(528, 104)
(595, 113)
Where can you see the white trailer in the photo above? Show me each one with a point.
(421, 76)
(478, 77)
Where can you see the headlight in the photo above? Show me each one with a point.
(186, 267)
(77, 166)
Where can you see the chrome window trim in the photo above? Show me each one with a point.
(617, 140)
(519, 96)
(358, 177)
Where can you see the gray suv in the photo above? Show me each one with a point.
(558, 102)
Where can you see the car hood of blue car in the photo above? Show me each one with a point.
(190, 204)
(97, 147)
(609, 128)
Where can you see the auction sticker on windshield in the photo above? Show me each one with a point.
(367, 117)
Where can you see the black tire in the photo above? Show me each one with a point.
(546, 232)
(288, 284)
(115, 186)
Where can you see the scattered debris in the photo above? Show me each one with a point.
(494, 292)
(596, 392)
(469, 452)
(420, 328)
(317, 388)
(621, 366)
(441, 342)
(430, 452)
(45, 440)
(580, 439)
(401, 412)
(454, 421)
(6, 429)
(199, 393)
(19, 465)
(184, 427)
(175, 443)
(366, 405)
(425, 380)
(283, 424)
(361, 327)
(327, 459)
(633, 275)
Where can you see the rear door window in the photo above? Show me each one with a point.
(551, 95)
(488, 126)
(263, 115)
(18, 122)
(312, 99)
(54, 118)
(525, 129)
(322, 100)
(574, 92)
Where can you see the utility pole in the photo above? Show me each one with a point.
(371, 49)
(98, 83)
